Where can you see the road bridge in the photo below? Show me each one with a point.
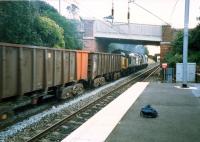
(99, 34)
(123, 32)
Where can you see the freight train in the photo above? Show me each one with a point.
(29, 73)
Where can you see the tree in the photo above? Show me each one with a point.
(16, 22)
(50, 33)
(195, 39)
(23, 22)
(175, 55)
(72, 9)
(70, 32)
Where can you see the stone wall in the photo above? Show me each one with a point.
(88, 28)
(167, 33)
(92, 45)
(165, 45)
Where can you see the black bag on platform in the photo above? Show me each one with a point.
(148, 112)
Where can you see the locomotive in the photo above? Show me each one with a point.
(29, 73)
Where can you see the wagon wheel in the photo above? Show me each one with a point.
(95, 83)
(102, 81)
(78, 89)
(115, 76)
(6, 113)
(65, 92)
(119, 75)
(107, 77)
(34, 99)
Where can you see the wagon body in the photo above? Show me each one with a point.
(124, 63)
(103, 63)
(25, 69)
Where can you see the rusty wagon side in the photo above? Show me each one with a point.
(103, 66)
(25, 69)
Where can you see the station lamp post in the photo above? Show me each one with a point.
(185, 43)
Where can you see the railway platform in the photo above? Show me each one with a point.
(178, 116)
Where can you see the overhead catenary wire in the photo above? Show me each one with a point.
(91, 13)
(151, 13)
(173, 9)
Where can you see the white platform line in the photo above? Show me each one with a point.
(98, 127)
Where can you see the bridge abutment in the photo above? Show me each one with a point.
(94, 45)
(98, 35)
(165, 45)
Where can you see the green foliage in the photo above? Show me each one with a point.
(195, 39)
(175, 55)
(70, 32)
(172, 59)
(36, 23)
(16, 22)
(50, 33)
(177, 43)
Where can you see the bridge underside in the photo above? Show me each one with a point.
(126, 41)
(101, 44)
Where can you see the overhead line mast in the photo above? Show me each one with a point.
(128, 14)
(112, 11)
(185, 43)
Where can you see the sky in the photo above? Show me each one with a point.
(171, 11)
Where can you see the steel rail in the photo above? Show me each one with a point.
(68, 118)
(152, 73)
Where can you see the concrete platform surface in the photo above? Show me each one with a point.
(178, 120)
(98, 127)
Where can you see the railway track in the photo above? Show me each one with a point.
(27, 112)
(63, 127)
(153, 76)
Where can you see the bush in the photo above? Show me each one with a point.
(70, 32)
(175, 55)
(36, 23)
(50, 33)
(16, 22)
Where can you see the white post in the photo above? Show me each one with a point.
(185, 43)
(59, 6)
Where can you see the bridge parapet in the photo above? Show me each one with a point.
(96, 30)
(131, 31)
(139, 29)
(103, 27)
